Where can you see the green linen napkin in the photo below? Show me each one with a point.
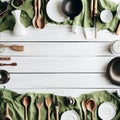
(16, 108)
(84, 19)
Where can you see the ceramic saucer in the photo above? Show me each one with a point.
(106, 16)
(70, 115)
(107, 111)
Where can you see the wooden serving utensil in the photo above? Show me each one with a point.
(118, 29)
(11, 64)
(40, 20)
(48, 103)
(34, 21)
(13, 47)
(84, 108)
(91, 105)
(7, 115)
(5, 58)
(26, 102)
(39, 105)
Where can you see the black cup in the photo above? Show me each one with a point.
(4, 76)
(113, 71)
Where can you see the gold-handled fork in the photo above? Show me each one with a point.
(39, 104)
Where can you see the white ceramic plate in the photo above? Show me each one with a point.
(106, 16)
(107, 111)
(118, 11)
(70, 115)
(54, 11)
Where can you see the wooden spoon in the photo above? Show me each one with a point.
(39, 105)
(34, 21)
(40, 20)
(48, 103)
(7, 115)
(84, 108)
(26, 102)
(13, 47)
(10, 64)
(91, 105)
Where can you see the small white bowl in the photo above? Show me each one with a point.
(106, 16)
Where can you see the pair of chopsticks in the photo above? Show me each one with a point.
(93, 14)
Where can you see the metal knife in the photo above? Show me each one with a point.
(56, 108)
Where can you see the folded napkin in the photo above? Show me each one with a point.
(84, 19)
(16, 108)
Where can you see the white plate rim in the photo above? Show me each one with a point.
(69, 112)
(106, 104)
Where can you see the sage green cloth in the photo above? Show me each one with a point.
(16, 108)
(7, 22)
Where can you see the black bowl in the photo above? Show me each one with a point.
(4, 76)
(113, 71)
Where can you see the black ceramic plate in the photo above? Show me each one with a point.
(4, 76)
(113, 71)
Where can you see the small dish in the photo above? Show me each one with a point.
(113, 71)
(54, 11)
(107, 111)
(70, 115)
(4, 76)
(106, 16)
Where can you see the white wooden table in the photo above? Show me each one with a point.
(57, 61)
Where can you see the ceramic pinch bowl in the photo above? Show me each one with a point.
(106, 16)
(4, 76)
(113, 71)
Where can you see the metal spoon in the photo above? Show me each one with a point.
(26, 102)
(91, 105)
(84, 108)
(40, 20)
(48, 103)
(34, 21)
(7, 115)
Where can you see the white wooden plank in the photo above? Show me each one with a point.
(58, 64)
(60, 49)
(57, 33)
(62, 81)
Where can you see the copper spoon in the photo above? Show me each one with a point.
(84, 108)
(34, 21)
(40, 20)
(39, 105)
(91, 105)
(48, 103)
(26, 102)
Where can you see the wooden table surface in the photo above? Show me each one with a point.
(58, 61)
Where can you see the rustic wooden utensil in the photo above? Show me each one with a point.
(13, 47)
(84, 108)
(91, 105)
(7, 115)
(34, 21)
(39, 105)
(5, 58)
(40, 20)
(48, 103)
(6, 64)
(26, 102)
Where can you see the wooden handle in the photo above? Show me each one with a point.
(57, 112)
(7, 111)
(84, 115)
(95, 7)
(118, 29)
(38, 114)
(35, 6)
(48, 113)
(39, 6)
(17, 47)
(11, 64)
(5, 58)
(92, 115)
(91, 8)
(26, 115)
